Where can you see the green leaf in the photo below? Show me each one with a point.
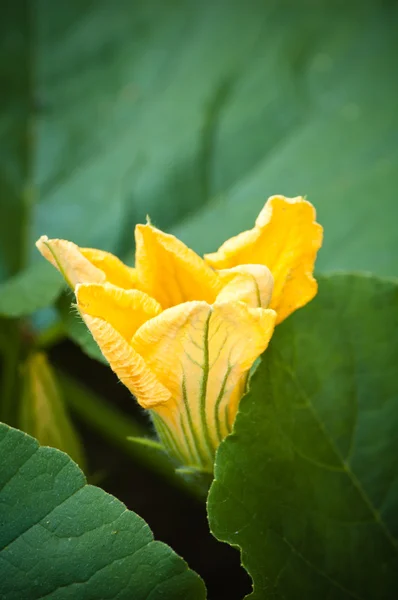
(311, 110)
(265, 100)
(307, 485)
(61, 538)
(35, 287)
(42, 411)
(121, 135)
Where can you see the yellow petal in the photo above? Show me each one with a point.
(112, 336)
(69, 260)
(252, 284)
(128, 365)
(247, 334)
(286, 239)
(201, 354)
(167, 345)
(125, 310)
(115, 270)
(171, 272)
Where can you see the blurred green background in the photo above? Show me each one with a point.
(193, 113)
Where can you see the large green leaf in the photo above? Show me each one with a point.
(161, 107)
(195, 111)
(311, 110)
(61, 538)
(307, 485)
(123, 97)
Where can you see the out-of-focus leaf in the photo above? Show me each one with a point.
(61, 538)
(42, 411)
(35, 287)
(123, 97)
(186, 110)
(244, 100)
(311, 112)
(307, 485)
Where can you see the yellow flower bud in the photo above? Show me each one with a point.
(182, 333)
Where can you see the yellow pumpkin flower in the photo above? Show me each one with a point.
(182, 332)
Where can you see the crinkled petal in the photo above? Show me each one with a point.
(202, 354)
(251, 284)
(171, 272)
(286, 239)
(125, 310)
(128, 365)
(112, 337)
(115, 270)
(69, 260)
